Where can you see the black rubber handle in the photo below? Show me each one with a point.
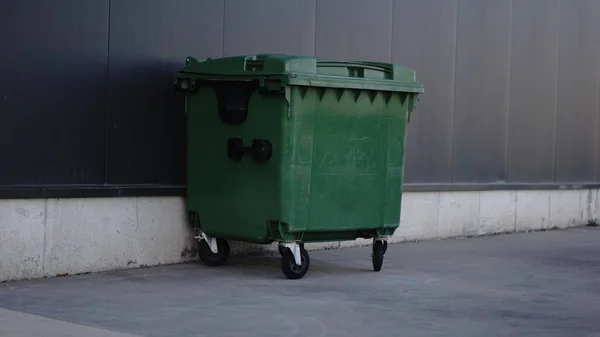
(261, 149)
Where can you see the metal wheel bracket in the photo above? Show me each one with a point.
(212, 242)
(383, 242)
(295, 248)
(381, 238)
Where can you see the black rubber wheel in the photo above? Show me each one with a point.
(377, 256)
(211, 259)
(289, 267)
(384, 247)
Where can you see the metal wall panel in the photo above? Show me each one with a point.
(424, 39)
(481, 102)
(269, 26)
(533, 88)
(52, 91)
(149, 41)
(512, 86)
(354, 29)
(578, 88)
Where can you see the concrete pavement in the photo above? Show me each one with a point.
(18, 324)
(534, 284)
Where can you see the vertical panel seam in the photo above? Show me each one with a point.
(508, 105)
(392, 32)
(223, 30)
(479, 224)
(452, 154)
(549, 219)
(516, 210)
(555, 136)
(45, 238)
(315, 30)
(597, 143)
(439, 198)
(107, 92)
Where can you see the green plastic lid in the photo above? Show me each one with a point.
(306, 71)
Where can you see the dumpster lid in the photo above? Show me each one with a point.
(307, 71)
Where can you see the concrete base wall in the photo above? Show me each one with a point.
(50, 237)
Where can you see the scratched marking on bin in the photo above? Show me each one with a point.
(358, 157)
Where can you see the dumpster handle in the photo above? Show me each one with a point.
(261, 149)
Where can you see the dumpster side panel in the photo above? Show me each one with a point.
(347, 158)
(233, 200)
(399, 108)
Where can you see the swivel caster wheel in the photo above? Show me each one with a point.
(289, 267)
(209, 258)
(379, 249)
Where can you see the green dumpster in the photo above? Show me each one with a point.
(294, 149)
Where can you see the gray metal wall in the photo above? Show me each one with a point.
(512, 86)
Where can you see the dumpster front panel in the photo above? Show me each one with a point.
(344, 173)
(233, 199)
